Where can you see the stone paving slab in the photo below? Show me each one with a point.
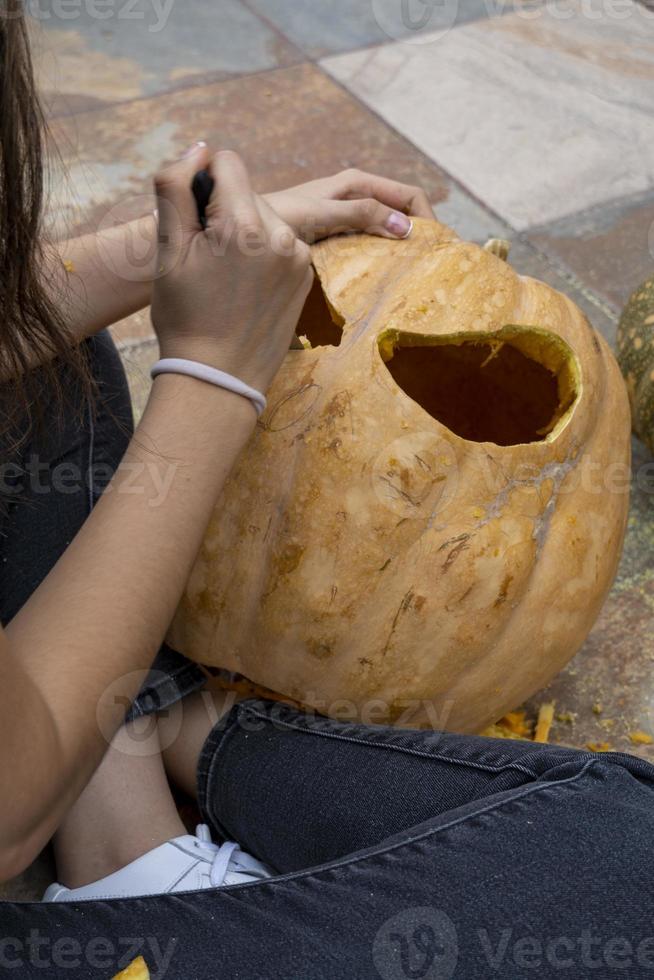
(110, 154)
(610, 247)
(145, 48)
(321, 29)
(539, 115)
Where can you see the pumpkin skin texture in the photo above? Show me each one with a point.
(367, 560)
(636, 359)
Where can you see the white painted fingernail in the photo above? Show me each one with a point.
(399, 224)
(193, 149)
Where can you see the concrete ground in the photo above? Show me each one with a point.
(532, 121)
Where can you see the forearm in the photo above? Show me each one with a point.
(100, 278)
(94, 620)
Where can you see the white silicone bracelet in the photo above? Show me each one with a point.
(203, 372)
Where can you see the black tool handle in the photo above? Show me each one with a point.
(202, 188)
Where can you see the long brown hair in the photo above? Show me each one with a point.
(32, 329)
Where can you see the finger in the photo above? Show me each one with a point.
(175, 202)
(283, 239)
(232, 202)
(401, 197)
(327, 217)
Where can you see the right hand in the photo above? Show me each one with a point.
(231, 295)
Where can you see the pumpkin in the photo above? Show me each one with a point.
(636, 358)
(417, 532)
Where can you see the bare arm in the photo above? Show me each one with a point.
(95, 619)
(101, 278)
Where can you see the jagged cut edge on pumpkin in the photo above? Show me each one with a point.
(537, 344)
(320, 324)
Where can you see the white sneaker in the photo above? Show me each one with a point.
(180, 865)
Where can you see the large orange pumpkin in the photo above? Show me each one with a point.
(428, 517)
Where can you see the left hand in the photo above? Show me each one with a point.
(350, 201)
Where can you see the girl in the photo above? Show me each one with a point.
(394, 853)
(67, 438)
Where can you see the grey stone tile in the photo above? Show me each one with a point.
(147, 47)
(540, 113)
(320, 29)
(610, 248)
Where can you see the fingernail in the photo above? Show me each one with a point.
(193, 149)
(399, 224)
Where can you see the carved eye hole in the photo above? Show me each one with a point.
(514, 387)
(319, 323)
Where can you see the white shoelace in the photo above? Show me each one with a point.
(227, 857)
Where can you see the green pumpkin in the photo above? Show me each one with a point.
(636, 359)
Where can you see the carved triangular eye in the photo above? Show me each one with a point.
(319, 325)
(513, 387)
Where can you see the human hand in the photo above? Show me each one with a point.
(350, 201)
(229, 295)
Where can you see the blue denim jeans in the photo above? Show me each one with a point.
(48, 488)
(400, 855)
